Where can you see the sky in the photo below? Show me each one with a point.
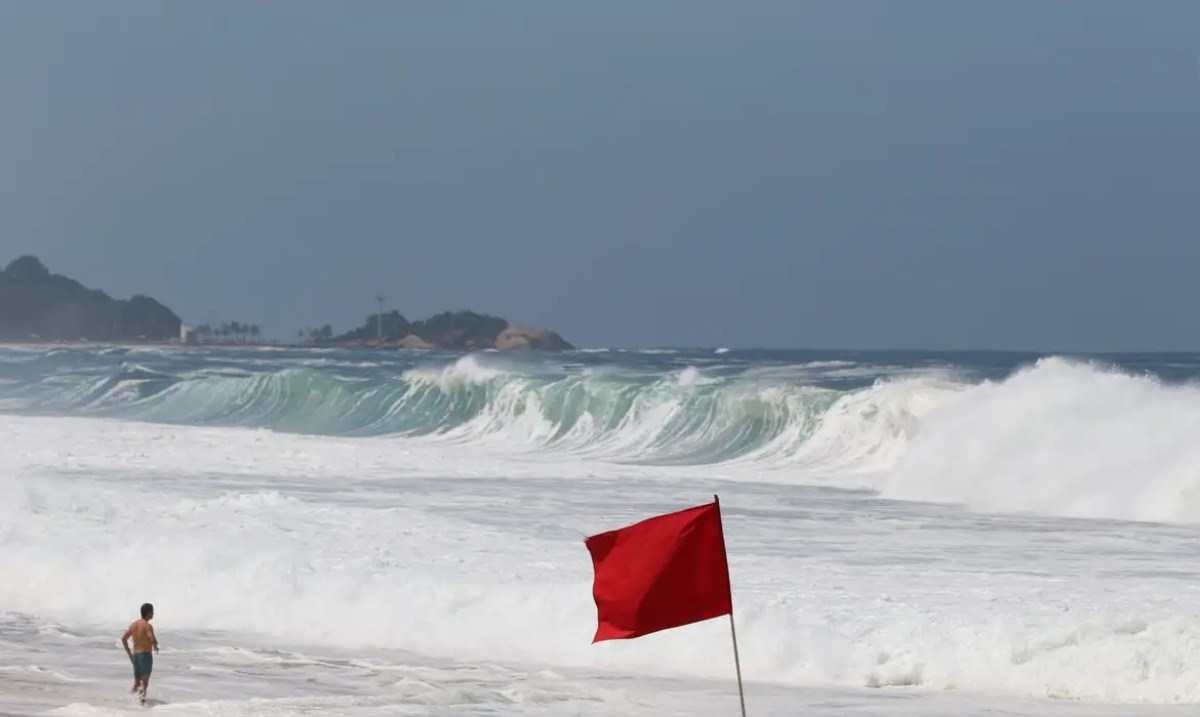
(631, 173)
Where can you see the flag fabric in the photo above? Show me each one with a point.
(663, 572)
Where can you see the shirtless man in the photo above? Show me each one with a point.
(144, 640)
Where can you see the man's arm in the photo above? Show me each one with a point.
(125, 641)
(153, 637)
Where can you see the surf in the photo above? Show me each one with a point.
(1056, 436)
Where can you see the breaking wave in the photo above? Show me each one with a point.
(1056, 436)
(681, 416)
(834, 587)
(1061, 438)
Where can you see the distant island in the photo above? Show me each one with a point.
(36, 305)
(448, 331)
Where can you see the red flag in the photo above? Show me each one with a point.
(663, 572)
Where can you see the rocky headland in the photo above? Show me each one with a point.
(39, 306)
(36, 305)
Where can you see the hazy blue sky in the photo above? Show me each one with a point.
(833, 174)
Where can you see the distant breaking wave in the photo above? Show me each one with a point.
(678, 417)
(1057, 437)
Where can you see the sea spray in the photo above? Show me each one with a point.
(1064, 438)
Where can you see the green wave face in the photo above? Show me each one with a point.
(650, 409)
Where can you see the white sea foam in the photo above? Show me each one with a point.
(867, 596)
(462, 546)
(468, 370)
(1061, 438)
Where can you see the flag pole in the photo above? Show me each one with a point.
(737, 661)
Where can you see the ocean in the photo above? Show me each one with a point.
(381, 532)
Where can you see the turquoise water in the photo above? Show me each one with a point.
(696, 406)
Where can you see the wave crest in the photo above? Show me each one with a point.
(1061, 438)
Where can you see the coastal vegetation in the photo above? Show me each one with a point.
(238, 332)
(451, 331)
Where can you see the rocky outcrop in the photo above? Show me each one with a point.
(522, 338)
(412, 341)
(451, 331)
(36, 305)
